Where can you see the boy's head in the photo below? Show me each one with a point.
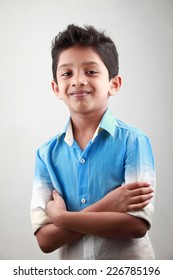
(86, 37)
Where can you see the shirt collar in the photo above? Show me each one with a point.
(67, 130)
(108, 123)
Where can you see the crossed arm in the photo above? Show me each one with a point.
(107, 218)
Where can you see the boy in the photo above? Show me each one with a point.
(93, 182)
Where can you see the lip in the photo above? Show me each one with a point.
(79, 93)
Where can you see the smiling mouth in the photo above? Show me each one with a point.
(79, 93)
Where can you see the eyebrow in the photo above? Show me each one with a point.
(83, 64)
(65, 65)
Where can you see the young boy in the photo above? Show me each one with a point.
(93, 183)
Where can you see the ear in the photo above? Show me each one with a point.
(115, 84)
(56, 89)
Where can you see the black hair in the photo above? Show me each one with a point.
(86, 37)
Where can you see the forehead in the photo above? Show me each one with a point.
(79, 55)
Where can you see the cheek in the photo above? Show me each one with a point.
(62, 87)
(104, 89)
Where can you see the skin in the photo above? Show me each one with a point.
(99, 222)
(84, 86)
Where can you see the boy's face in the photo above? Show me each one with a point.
(83, 81)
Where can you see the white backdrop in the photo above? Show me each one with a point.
(30, 114)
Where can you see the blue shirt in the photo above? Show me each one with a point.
(117, 154)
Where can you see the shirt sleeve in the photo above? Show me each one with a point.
(139, 166)
(41, 194)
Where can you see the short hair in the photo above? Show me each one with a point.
(86, 37)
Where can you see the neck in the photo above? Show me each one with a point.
(84, 127)
(82, 123)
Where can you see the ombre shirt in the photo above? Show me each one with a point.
(116, 155)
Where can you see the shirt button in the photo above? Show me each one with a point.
(83, 200)
(82, 160)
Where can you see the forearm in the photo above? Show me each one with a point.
(104, 224)
(50, 237)
(106, 218)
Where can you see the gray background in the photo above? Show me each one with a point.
(30, 113)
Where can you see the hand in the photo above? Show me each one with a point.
(56, 206)
(128, 197)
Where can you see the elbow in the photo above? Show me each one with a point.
(44, 243)
(139, 233)
(141, 229)
(45, 249)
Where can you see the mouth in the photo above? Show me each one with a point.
(79, 93)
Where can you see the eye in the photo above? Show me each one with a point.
(66, 74)
(91, 72)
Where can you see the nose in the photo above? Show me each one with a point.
(79, 80)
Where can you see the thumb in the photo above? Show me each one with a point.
(55, 194)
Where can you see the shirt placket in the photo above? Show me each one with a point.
(83, 178)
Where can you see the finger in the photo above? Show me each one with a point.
(141, 191)
(136, 185)
(137, 207)
(140, 199)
